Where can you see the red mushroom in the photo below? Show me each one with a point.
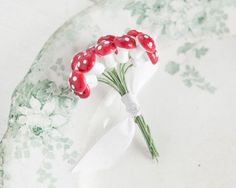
(124, 44)
(81, 84)
(84, 94)
(75, 60)
(153, 57)
(86, 61)
(106, 38)
(106, 49)
(77, 81)
(133, 33)
(98, 68)
(144, 44)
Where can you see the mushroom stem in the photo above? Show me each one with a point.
(137, 52)
(122, 56)
(98, 68)
(109, 61)
(91, 80)
(141, 59)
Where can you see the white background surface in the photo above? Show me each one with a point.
(197, 149)
(24, 27)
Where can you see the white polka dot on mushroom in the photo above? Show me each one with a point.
(74, 78)
(150, 44)
(84, 61)
(145, 36)
(72, 86)
(99, 47)
(126, 39)
(106, 42)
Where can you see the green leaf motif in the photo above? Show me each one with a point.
(140, 19)
(158, 6)
(37, 130)
(201, 18)
(43, 90)
(138, 9)
(24, 93)
(200, 52)
(191, 77)
(45, 176)
(185, 48)
(172, 67)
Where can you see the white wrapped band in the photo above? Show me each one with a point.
(131, 104)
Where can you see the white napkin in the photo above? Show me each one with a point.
(115, 142)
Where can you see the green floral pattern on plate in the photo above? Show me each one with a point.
(189, 74)
(173, 18)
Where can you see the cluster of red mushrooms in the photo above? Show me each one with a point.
(109, 51)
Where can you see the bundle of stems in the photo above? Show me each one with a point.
(115, 77)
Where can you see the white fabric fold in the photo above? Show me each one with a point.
(108, 149)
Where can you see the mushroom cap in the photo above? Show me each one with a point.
(105, 48)
(77, 81)
(146, 42)
(125, 41)
(75, 60)
(106, 38)
(84, 94)
(153, 57)
(86, 61)
(133, 33)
